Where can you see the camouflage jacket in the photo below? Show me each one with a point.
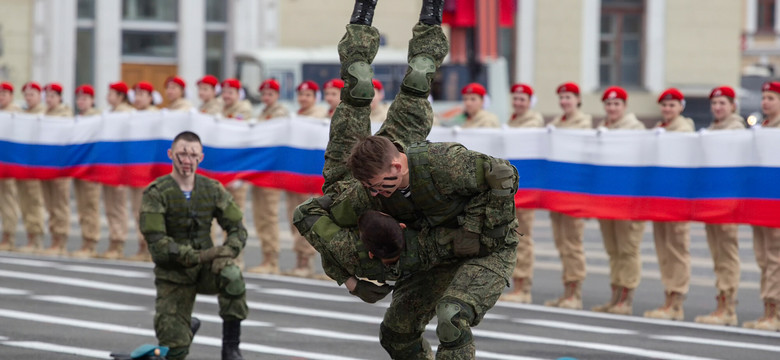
(177, 229)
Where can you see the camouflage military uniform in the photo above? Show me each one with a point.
(177, 230)
(453, 187)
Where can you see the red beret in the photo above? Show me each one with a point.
(308, 85)
(335, 83)
(85, 89)
(726, 91)
(144, 85)
(177, 80)
(523, 89)
(231, 83)
(54, 87)
(671, 94)
(270, 84)
(568, 87)
(474, 88)
(119, 87)
(771, 86)
(615, 92)
(7, 86)
(31, 85)
(377, 84)
(209, 80)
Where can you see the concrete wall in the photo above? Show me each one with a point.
(15, 42)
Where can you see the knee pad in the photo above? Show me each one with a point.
(359, 88)
(402, 346)
(454, 328)
(232, 281)
(417, 81)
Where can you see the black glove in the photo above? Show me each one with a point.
(208, 255)
(466, 244)
(498, 175)
(370, 292)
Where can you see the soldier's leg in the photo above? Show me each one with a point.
(772, 249)
(88, 207)
(474, 290)
(56, 197)
(660, 240)
(265, 211)
(172, 318)
(680, 257)
(31, 205)
(9, 213)
(304, 252)
(115, 202)
(727, 266)
(572, 250)
(610, 245)
(522, 276)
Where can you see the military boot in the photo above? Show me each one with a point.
(363, 12)
(623, 302)
(304, 267)
(431, 12)
(752, 324)
(612, 300)
(231, 338)
(143, 252)
(57, 248)
(571, 299)
(725, 313)
(194, 325)
(671, 310)
(116, 250)
(8, 242)
(33, 244)
(522, 292)
(771, 321)
(270, 265)
(88, 249)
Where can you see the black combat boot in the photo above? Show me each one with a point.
(231, 337)
(194, 325)
(431, 11)
(363, 14)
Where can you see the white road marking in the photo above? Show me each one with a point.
(309, 295)
(575, 327)
(62, 349)
(71, 281)
(330, 334)
(9, 291)
(496, 317)
(717, 342)
(87, 303)
(216, 319)
(293, 280)
(77, 268)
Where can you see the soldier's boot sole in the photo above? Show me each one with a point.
(768, 325)
(571, 303)
(28, 249)
(717, 319)
(54, 251)
(602, 308)
(522, 297)
(621, 309)
(300, 272)
(264, 269)
(83, 254)
(665, 314)
(111, 255)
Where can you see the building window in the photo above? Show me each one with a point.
(154, 44)
(766, 16)
(86, 9)
(216, 37)
(621, 47)
(85, 48)
(216, 11)
(154, 10)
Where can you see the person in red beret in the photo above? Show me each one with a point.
(379, 108)
(766, 240)
(207, 92)
(8, 202)
(308, 93)
(722, 238)
(114, 197)
(568, 231)
(672, 238)
(7, 98)
(474, 113)
(56, 192)
(174, 92)
(622, 238)
(332, 94)
(522, 276)
(234, 104)
(30, 192)
(265, 201)
(269, 96)
(87, 192)
(145, 97)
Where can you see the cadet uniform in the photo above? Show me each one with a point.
(9, 207)
(379, 109)
(522, 277)
(766, 247)
(180, 104)
(265, 201)
(215, 105)
(87, 198)
(622, 238)
(335, 84)
(569, 231)
(115, 199)
(30, 192)
(178, 226)
(56, 192)
(673, 238)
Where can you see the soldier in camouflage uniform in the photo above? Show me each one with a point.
(459, 292)
(176, 215)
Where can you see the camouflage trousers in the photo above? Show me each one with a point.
(477, 282)
(175, 301)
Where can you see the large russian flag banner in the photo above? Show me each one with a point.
(717, 177)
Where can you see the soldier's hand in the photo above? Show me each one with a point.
(466, 244)
(219, 263)
(370, 292)
(210, 254)
(498, 175)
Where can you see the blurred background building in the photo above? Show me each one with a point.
(642, 45)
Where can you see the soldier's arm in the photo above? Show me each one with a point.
(229, 217)
(163, 248)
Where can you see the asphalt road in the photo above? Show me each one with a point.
(59, 308)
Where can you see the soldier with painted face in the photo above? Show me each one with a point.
(207, 92)
(174, 91)
(176, 215)
(9, 207)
